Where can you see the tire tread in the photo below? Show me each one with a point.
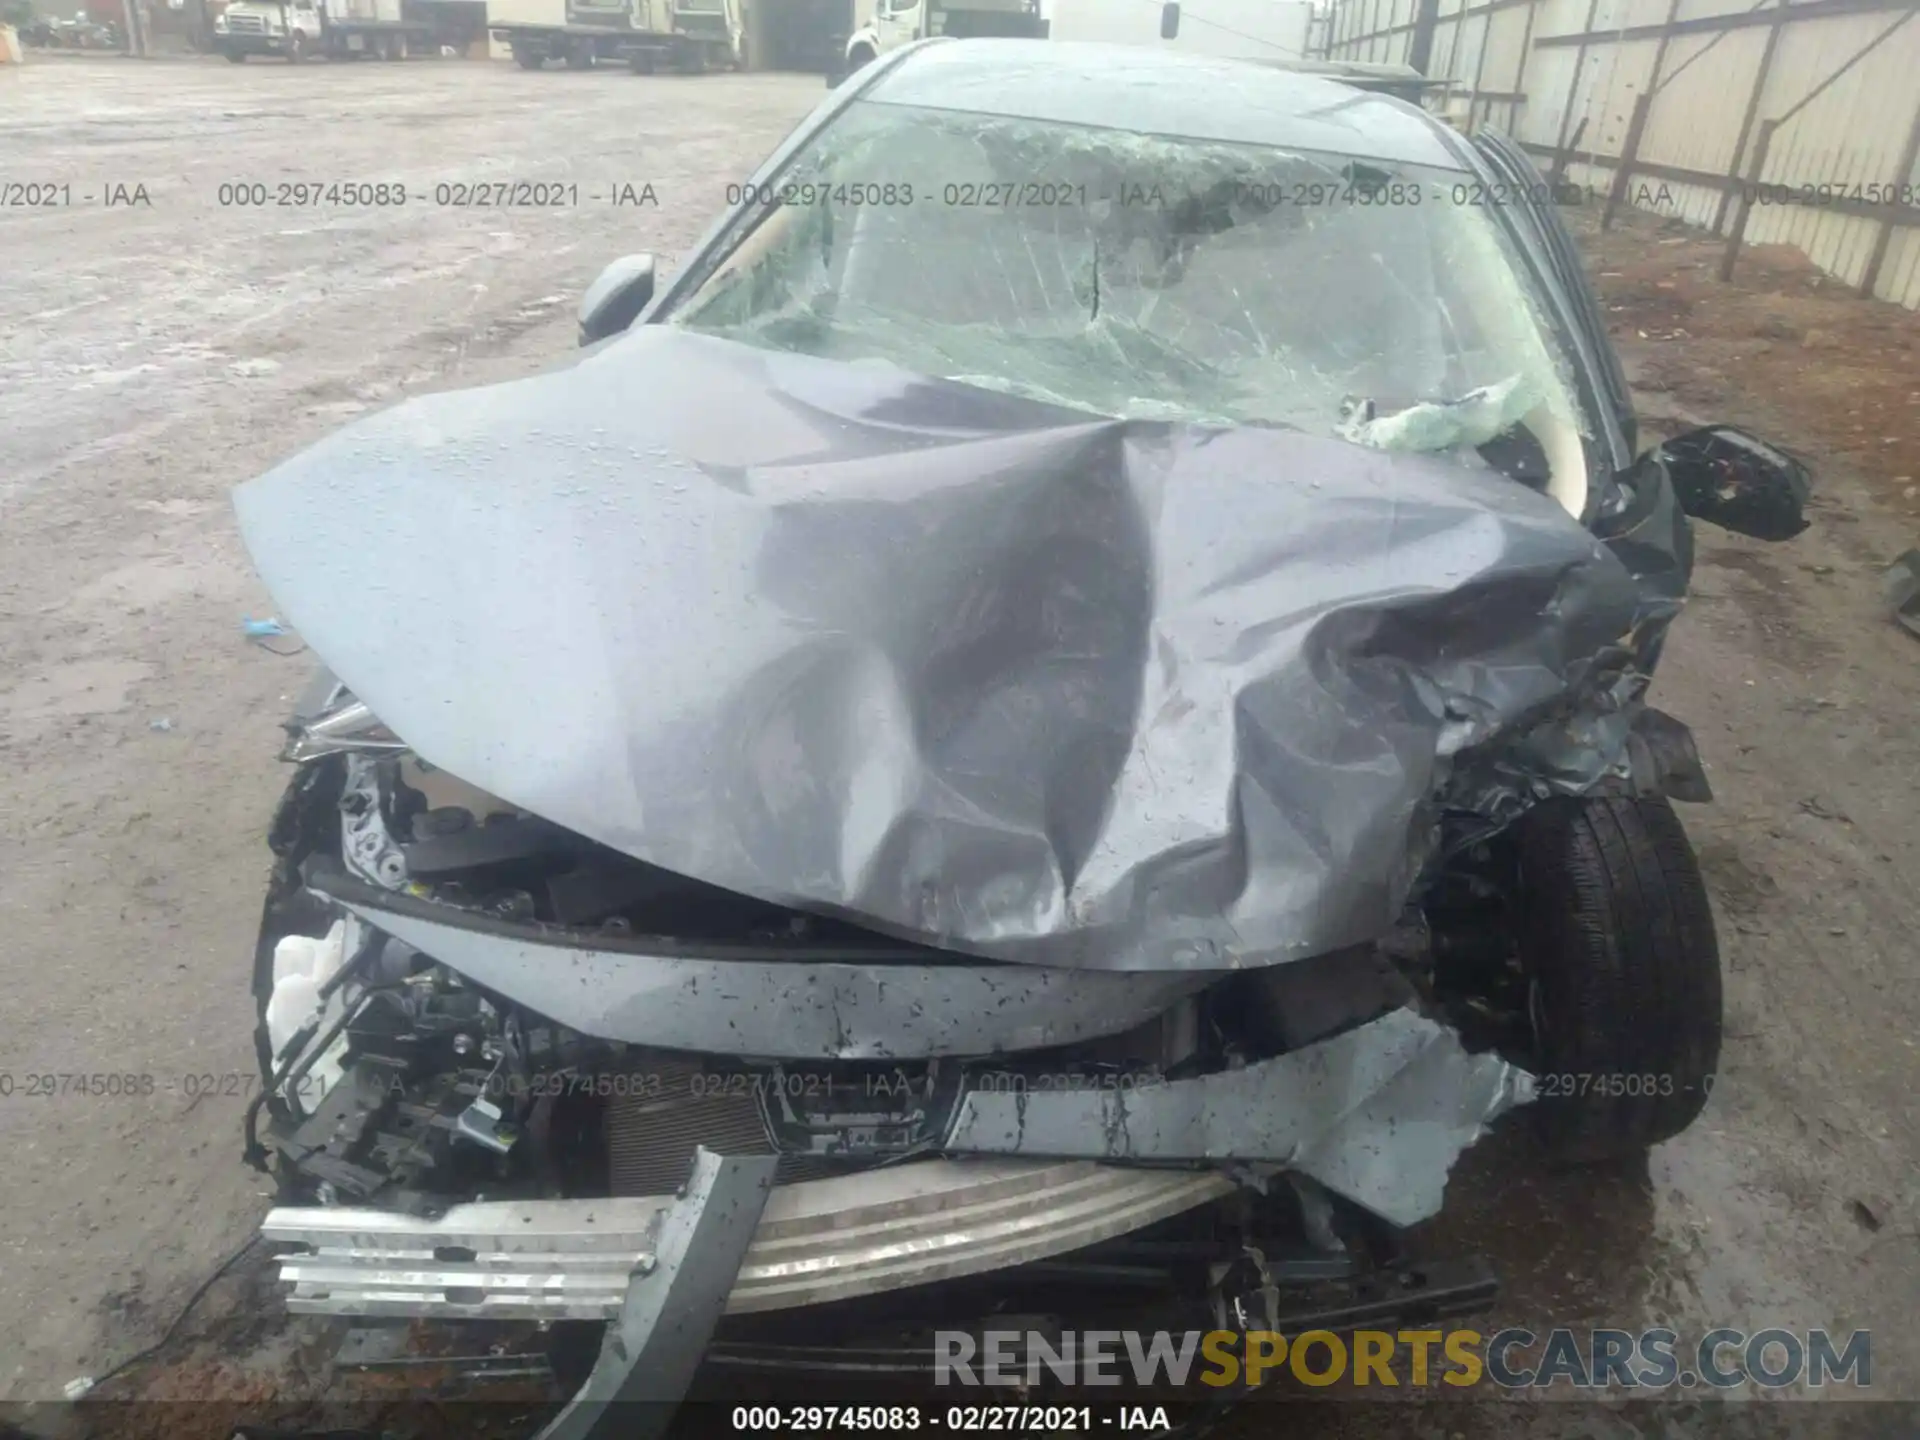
(1617, 931)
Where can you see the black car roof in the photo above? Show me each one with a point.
(1164, 92)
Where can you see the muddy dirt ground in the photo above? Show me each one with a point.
(154, 353)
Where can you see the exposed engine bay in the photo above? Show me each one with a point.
(433, 1085)
(400, 1081)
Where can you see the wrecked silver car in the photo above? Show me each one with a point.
(1074, 681)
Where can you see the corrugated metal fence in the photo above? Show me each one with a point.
(1765, 121)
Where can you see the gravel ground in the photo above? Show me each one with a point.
(152, 356)
(154, 353)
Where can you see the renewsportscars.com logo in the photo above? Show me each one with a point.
(1511, 1359)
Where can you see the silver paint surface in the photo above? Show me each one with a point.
(1378, 1114)
(971, 670)
(797, 1009)
(674, 1299)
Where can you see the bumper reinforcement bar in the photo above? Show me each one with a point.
(817, 1241)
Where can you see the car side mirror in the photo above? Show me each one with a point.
(1170, 20)
(615, 300)
(1738, 481)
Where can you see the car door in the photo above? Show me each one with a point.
(1526, 189)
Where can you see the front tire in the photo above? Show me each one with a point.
(296, 49)
(1623, 969)
(235, 57)
(528, 59)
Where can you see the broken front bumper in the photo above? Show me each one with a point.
(934, 1117)
(1377, 1114)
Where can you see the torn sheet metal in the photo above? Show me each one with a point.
(650, 1354)
(795, 1009)
(967, 668)
(1378, 1114)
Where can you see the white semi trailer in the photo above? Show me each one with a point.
(687, 35)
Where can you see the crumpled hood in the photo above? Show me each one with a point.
(967, 668)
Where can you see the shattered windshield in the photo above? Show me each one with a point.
(1147, 277)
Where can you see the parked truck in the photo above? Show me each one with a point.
(894, 23)
(342, 29)
(686, 35)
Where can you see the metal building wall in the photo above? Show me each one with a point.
(1767, 122)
